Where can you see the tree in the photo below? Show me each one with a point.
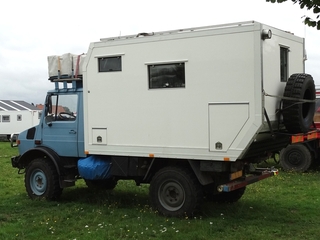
(309, 4)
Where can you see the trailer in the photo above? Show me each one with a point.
(190, 112)
(303, 152)
(16, 116)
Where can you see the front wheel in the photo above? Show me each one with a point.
(175, 192)
(42, 180)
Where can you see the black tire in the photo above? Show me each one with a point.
(175, 192)
(105, 184)
(42, 180)
(298, 116)
(226, 197)
(296, 157)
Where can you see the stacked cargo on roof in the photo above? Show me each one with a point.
(65, 66)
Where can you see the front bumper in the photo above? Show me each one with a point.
(15, 162)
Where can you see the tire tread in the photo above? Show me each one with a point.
(54, 190)
(293, 118)
(194, 184)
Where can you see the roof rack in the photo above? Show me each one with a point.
(76, 82)
(178, 31)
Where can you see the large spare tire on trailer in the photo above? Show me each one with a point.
(298, 115)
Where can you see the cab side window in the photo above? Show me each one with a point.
(63, 108)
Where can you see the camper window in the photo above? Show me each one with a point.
(284, 63)
(109, 64)
(5, 118)
(166, 75)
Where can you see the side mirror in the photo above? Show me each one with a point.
(48, 120)
(48, 105)
(13, 139)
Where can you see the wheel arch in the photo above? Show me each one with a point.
(194, 166)
(40, 152)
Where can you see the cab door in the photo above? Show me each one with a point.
(60, 130)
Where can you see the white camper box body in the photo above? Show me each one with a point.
(215, 116)
(17, 116)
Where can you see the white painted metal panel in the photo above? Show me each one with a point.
(225, 128)
(99, 136)
(222, 64)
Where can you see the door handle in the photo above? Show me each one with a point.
(72, 132)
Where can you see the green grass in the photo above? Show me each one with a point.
(282, 207)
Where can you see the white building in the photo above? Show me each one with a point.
(16, 116)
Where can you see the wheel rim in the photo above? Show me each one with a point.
(171, 195)
(295, 158)
(38, 182)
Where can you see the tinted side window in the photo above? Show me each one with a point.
(5, 118)
(110, 64)
(166, 76)
(284, 64)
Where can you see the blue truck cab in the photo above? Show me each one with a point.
(57, 143)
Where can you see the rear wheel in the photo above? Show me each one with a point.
(298, 116)
(175, 192)
(296, 157)
(42, 180)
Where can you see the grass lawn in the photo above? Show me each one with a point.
(281, 207)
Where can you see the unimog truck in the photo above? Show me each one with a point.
(190, 112)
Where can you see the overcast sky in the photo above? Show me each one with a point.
(31, 30)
